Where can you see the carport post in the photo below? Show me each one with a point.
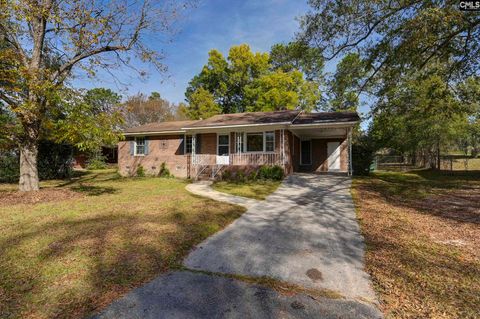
(350, 170)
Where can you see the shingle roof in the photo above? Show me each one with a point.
(326, 117)
(246, 118)
(287, 117)
(160, 127)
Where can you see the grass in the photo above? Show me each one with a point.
(259, 189)
(422, 232)
(77, 245)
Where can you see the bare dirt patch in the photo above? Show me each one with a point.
(42, 196)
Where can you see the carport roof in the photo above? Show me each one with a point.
(326, 117)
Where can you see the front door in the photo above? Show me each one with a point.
(223, 149)
(333, 156)
(306, 152)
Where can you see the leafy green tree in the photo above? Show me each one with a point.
(46, 41)
(281, 91)
(419, 116)
(246, 81)
(86, 119)
(298, 55)
(202, 105)
(396, 36)
(345, 84)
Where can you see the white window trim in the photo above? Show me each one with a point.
(301, 156)
(264, 136)
(185, 144)
(218, 140)
(135, 146)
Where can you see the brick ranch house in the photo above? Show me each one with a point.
(295, 140)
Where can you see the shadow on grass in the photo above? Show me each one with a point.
(450, 195)
(430, 279)
(69, 268)
(91, 190)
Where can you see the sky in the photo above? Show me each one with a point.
(212, 24)
(217, 24)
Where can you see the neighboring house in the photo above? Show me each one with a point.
(297, 141)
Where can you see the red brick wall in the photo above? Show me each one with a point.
(163, 148)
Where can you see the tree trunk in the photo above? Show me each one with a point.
(438, 154)
(28, 167)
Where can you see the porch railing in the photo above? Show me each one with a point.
(238, 159)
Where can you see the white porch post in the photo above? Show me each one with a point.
(283, 148)
(194, 140)
(350, 169)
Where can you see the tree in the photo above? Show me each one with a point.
(281, 91)
(86, 119)
(343, 87)
(246, 81)
(396, 37)
(49, 39)
(140, 109)
(419, 116)
(202, 105)
(298, 55)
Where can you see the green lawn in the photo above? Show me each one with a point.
(75, 246)
(252, 189)
(422, 232)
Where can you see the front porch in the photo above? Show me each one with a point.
(212, 153)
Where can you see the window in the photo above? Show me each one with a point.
(269, 141)
(254, 142)
(140, 146)
(223, 144)
(188, 144)
(260, 142)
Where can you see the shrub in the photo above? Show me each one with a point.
(54, 162)
(276, 173)
(97, 162)
(240, 177)
(362, 155)
(227, 176)
(9, 168)
(140, 171)
(164, 171)
(253, 176)
(271, 172)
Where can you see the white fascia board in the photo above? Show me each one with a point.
(154, 133)
(270, 126)
(323, 125)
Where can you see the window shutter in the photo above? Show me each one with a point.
(132, 148)
(146, 145)
(181, 150)
(197, 144)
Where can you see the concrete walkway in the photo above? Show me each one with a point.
(203, 189)
(305, 233)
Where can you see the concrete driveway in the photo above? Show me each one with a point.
(305, 233)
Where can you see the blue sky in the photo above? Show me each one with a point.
(217, 24)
